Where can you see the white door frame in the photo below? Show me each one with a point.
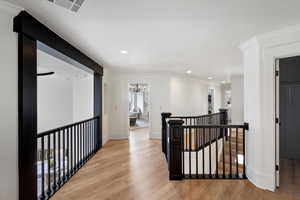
(277, 128)
(149, 101)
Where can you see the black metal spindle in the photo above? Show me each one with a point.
(78, 146)
(244, 155)
(54, 161)
(183, 153)
(197, 149)
(217, 155)
(89, 138)
(49, 166)
(236, 152)
(223, 147)
(203, 152)
(64, 155)
(209, 152)
(230, 160)
(59, 160)
(68, 151)
(190, 149)
(43, 168)
(83, 142)
(71, 150)
(94, 136)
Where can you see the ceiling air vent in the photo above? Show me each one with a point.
(73, 5)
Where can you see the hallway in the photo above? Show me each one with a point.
(136, 169)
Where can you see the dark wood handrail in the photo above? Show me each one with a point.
(197, 116)
(245, 126)
(64, 127)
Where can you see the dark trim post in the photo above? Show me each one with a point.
(223, 116)
(175, 149)
(30, 31)
(27, 95)
(224, 121)
(98, 107)
(164, 116)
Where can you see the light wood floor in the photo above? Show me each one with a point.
(136, 169)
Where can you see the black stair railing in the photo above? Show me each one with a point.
(62, 152)
(204, 146)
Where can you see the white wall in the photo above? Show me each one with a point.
(237, 99)
(106, 105)
(55, 102)
(217, 97)
(188, 96)
(180, 95)
(8, 104)
(259, 100)
(83, 98)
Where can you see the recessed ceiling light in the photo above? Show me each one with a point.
(188, 71)
(209, 78)
(124, 52)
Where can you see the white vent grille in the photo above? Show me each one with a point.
(73, 5)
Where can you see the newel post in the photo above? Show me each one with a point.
(164, 116)
(223, 116)
(175, 149)
(224, 120)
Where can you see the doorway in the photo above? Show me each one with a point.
(288, 125)
(138, 111)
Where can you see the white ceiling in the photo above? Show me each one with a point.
(169, 35)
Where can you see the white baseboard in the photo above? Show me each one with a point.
(261, 180)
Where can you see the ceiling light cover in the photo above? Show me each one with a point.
(73, 5)
(124, 52)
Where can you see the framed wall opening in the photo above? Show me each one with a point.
(138, 111)
(33, 36)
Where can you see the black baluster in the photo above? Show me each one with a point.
(88, 138)
(203, 150)
(244, 164)
(223, 146)
(43, 169)
(49, 167)
(68, 151)
(71, 151)
(217, 155)
(230, 153)
(236, 146)
(183, 152)
(197, 149)
(209, 152)
(93, 137)
(59, 160)
(84, 140)
(64, 155)
(78, 146)
(190, 149)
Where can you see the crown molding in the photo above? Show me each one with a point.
(249, 43)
